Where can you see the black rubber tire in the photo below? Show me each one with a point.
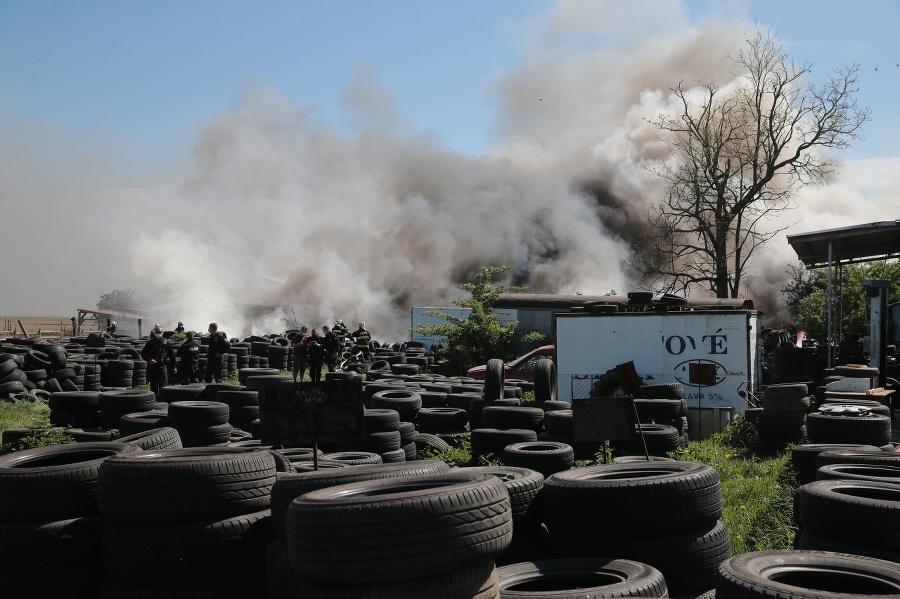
(138, 422)
(855, 512)
(67, 401)
(492, 441)
(198, 412)
(868, 430)
(393, 457)
(856, 372)
(659, 439)
(551, 406)
(126, 400)
(577, 502)
(170, 553)
(475, 581)
(660, 391)
(434, 399)
(178, 485)
(559, 422)
(407, 403)
(383, 442)
(803, 457)
(808, 541)
(651, 409)
(379, 420)
(289, 487)
(238, 399)
(544, 380)
(494, 379)
(806, 575)
(28, 548)
(545, 457)
(174, 393)
(57, 482)
(873, 457)
(524, 486)
(90, 435)
(427, 440)
(785, 390)
(397, 529)
(773, 418)
(872, 407)
(689, 560)
(354, 458)
(884, 474)
(202, 435)
(442, 420)
(506, 417)
(160, 438)
(786, 404)
(598, 578)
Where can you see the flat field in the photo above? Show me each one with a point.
(49, 326)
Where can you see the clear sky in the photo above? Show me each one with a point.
(152, 73)
(101, 96)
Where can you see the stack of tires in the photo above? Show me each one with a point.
(115, 403)
(383, 436)
(665, 514)
(850, 515)
(840, 423)
(50, 524)
(663, 404)
(200, 423)
(418, 537)
(119, 373)
(74, 408)
(278, 354)
(805, 456)
(783, 418)
(176, 527)
(281, 579)
(243, 406)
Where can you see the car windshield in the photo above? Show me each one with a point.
(529, 359)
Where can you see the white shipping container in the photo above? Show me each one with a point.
(662, 346)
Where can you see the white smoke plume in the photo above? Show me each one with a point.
(362, 227)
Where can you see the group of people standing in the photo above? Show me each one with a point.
(161, 357)
(312, 350)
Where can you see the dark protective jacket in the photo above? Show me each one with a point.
(159, 350)
(189, 352)
(363, 338)
(218, 344)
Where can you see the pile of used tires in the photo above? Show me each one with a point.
(189, 502)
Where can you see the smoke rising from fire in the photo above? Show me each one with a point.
(277, 208)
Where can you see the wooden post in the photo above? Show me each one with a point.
(23, 328)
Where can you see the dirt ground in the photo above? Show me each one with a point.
(48, 326)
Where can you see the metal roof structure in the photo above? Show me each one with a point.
(848, 245)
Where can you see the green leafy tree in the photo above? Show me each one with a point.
(117, 298)
(480, 336)
(806, 296)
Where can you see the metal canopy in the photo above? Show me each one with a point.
(859, 243)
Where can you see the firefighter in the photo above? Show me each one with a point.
(362, 339)
(300, 358)
(341, 332)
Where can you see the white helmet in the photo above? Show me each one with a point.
(362, 325)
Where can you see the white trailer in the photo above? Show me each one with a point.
(663, 347)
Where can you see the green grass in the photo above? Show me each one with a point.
(25, 414)
(757, 488)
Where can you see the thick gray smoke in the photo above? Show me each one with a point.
(363, 227)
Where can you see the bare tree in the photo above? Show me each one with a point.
(738, 155)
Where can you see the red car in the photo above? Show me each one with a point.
(520, 368)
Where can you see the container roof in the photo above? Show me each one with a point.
(858, 243)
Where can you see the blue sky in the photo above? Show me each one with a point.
(122, 117)
(152, 73)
